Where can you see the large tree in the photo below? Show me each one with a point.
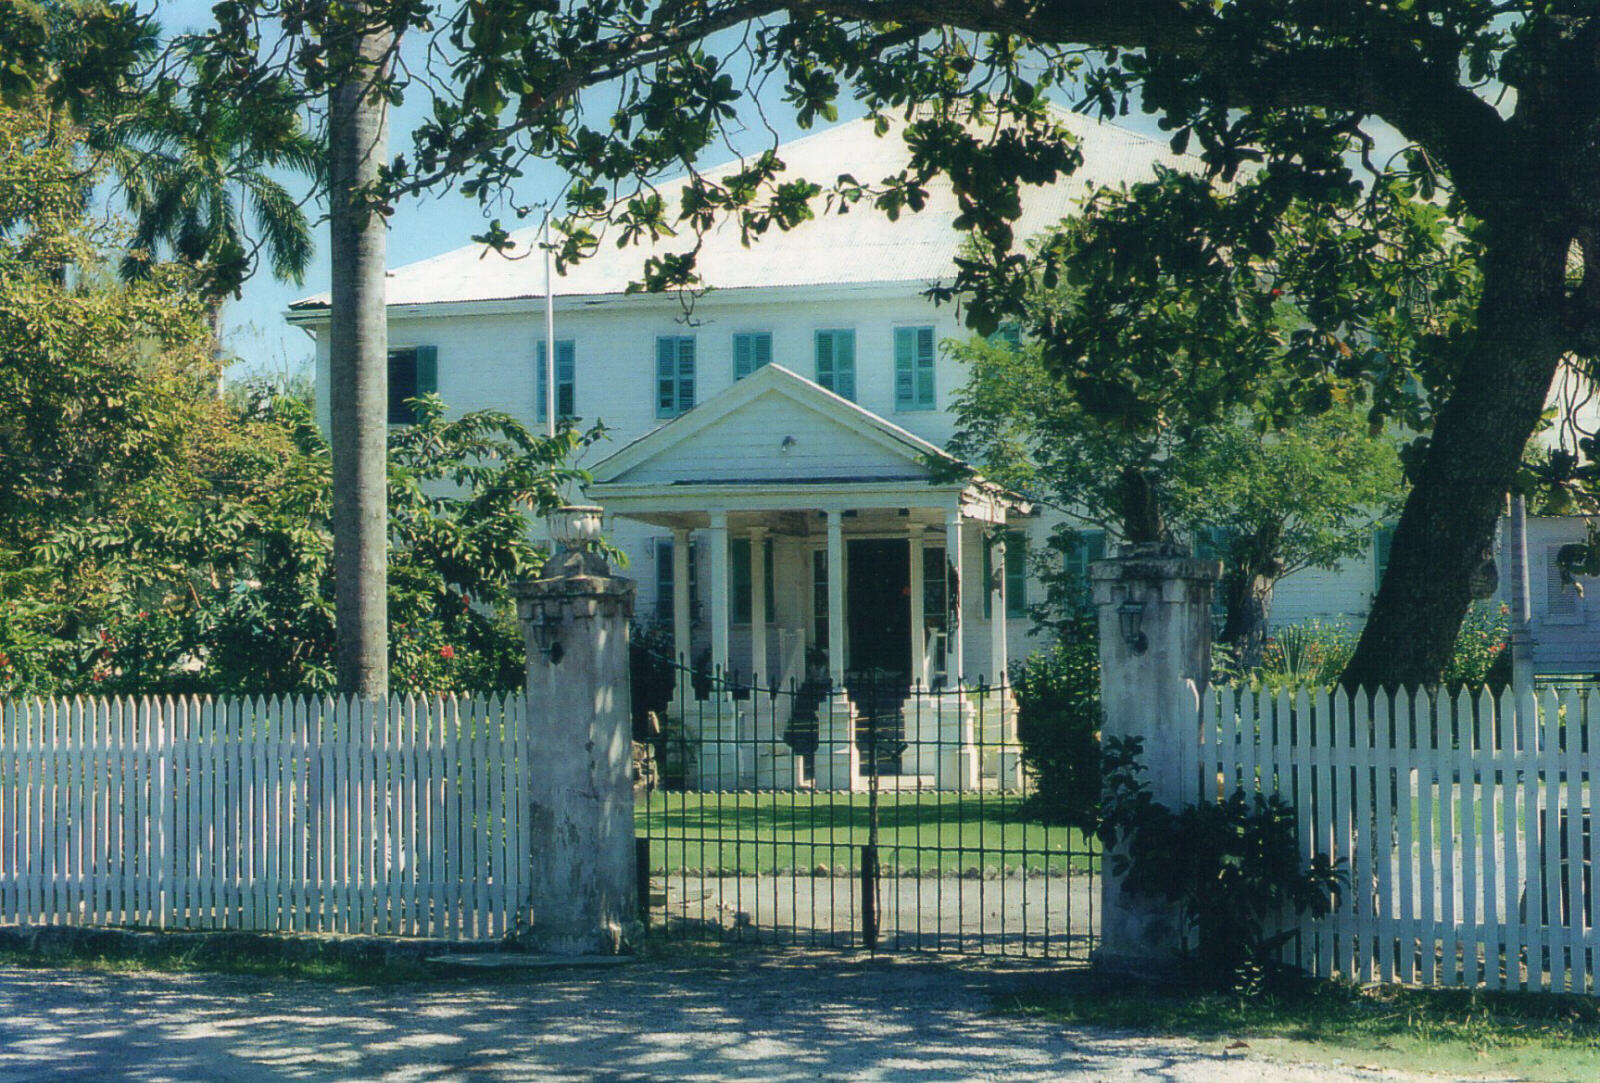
(1496, 101)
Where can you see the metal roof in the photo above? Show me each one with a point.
(857, 247)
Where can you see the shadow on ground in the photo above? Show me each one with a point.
(753, 1016)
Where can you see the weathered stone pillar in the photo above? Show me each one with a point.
(575, 620)
(1154, 608)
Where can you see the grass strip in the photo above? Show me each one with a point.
(1539, 1037)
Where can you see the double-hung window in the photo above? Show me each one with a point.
(566, 379)
(836, 362)
(913, 368)
(413, 372)
(751, 351)
(674, 374)
(665, 583)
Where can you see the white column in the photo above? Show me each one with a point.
(956, 632)
(919, 634)
(717, 538)
(997, 609)
(681, 617)
(758, 605)
(836, 599)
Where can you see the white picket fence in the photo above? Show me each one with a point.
(285, 815)
(1464, 825)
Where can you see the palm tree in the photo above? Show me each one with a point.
(196, 172)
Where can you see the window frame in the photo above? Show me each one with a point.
(565, 383)
(424, 381)
(914, 373)
(837, 379)
(681, 379)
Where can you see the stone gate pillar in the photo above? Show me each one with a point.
(1154, 610)
(575, 621)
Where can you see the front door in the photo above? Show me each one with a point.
(878, 607)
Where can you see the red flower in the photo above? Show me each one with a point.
(1277, 292)
(447, 652)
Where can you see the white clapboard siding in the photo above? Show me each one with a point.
(405, 818)
(1462, 822)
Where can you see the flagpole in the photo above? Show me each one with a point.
(549, 333)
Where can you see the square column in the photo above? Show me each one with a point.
(721, 592)
(836, 599)
(955, 644)
(998, 657)
(681, 617)
(919, 631)
(759, 670)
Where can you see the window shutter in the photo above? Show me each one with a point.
(1382, 542)
(743, 356)
(666, 377)
(905, 378)
(825, 359)
(1016, 574)
(427, 370)
(685, 374)
(844, 360)
(664, 583)
(1561, 599)
(763, 346)
(566, 379)
(925, 391)
(540, 395)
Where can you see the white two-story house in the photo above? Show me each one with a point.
(771, 468)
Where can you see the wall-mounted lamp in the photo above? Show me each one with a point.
(543, 631)
(1130, 618)
(788, 442)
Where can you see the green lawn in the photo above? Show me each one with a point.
(1523, 1036)
(918, 833)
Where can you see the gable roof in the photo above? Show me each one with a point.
(917, 247)
(774, 427)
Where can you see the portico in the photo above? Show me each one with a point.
(850, 537)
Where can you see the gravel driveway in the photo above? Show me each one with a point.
(761, 1016)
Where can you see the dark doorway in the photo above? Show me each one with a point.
(878, 607)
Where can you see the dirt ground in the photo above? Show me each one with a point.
(766, 1015)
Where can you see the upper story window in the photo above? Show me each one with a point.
(913, 368)
(1083, 549)
(751, 350)
(1007, 334)
(566, 379)
(674, 374)
(836, 362)
(413, 372)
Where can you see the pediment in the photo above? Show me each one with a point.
(774, 427)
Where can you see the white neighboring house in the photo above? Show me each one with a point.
(778, 430)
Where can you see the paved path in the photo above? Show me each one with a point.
(1036, 916)
(777, 1016)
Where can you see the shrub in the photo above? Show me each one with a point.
(1233, 869)
(1311, 653)
(1481, 647)
(1058, 722)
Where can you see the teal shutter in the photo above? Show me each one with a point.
(739, 572)
(844, 360)
(685, 374)
(1016, 573)
(905, 368)
(664, 580)
(566, 379)
(666, 377)
(1382, 543)
(836, 362)
(750, 352)
(913, 368)
(772, 605)
(427, 370)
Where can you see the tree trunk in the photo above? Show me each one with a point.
(358, 136)
(1249, 600)
(1447, 527)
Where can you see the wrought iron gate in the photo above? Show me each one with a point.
(880, 815)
